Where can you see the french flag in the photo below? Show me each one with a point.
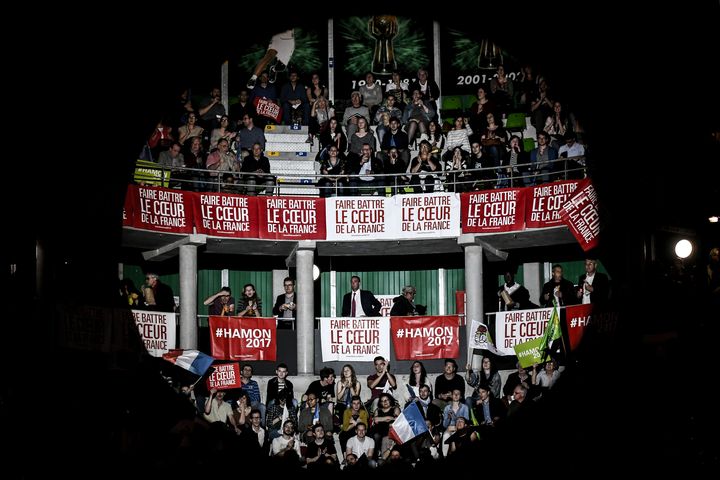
(193, 361)
(408, 425)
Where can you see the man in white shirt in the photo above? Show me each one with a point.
(285, 442)
(360, 445)
(594, 287)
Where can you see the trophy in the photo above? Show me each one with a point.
(384, 28)
(490, 56)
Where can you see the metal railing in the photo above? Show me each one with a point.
(277, 319)
(465, 180)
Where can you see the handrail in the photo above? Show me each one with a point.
(196, 179)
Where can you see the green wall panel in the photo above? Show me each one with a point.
(324, 294)
(134, 273)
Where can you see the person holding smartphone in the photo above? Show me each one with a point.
(285, 304)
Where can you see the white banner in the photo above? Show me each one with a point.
(351, 218)
(354, 339)
(429, 215)
(157, 330)
(387, 303)
(518, 326)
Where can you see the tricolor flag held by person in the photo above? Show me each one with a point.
(408, 425)
(191, 360)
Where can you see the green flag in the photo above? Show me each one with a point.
(552, 330)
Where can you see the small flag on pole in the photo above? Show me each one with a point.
(408, 425)
(481, 338)
(193, 361)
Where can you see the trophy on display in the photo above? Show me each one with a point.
(384, 28)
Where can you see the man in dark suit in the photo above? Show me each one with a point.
(360, 303)
(558, 287)
(285, 304)
(593, 286)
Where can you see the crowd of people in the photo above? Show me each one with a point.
(329, 426)
(385, 128)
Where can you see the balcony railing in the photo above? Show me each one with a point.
(278, 184)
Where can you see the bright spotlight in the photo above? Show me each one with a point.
(713, 219)
(316, 272)
(683, 248)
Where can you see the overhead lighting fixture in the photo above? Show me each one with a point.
(316, 272)
(683, 248)
(713, 219)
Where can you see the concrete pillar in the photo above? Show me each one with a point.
(473, 288)
(305, 322)
(533, 279)
(188, 297)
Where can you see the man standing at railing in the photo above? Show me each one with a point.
(360, 303)
(559, 288)
(593, 286)
(285, 304)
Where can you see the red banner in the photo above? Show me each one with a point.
(226, 215)
(493, 210)
(128, 206)
(544, 203)
(416, 338)
(225, 376)
(268, 109)
(161, 209)
(577, 317)
(580, 213)
(292, 218)
(243, 338)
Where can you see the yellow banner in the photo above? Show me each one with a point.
(150, 173)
